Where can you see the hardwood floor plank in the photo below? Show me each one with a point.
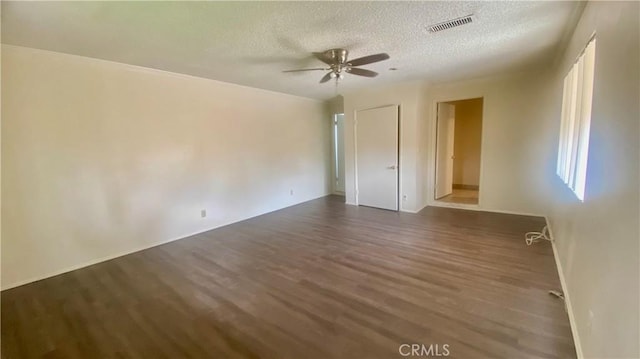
(317, 280)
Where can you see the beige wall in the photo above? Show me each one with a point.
(336, 104)
(423, 172)
(512, 151)
(101, 159)
(511, 156)
(598, 240)
(467, 142)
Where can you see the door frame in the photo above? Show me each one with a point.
(334, 156)
(450, 159)
(431, 180)
(355, 152)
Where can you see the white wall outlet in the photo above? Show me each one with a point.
(590, 322)
(203, 213)
(404, 197)
(291, 192)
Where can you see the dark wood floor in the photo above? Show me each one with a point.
(317, 280)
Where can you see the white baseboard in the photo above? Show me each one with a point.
(99, 260)
(565, 291)
(470, 207)
(475, 207)
(414, 211)
(409, 211)
(572, 322)
(563, 283)
(141, 248)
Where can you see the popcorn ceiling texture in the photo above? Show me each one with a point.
(250, 43)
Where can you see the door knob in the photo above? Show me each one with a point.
(392, 167)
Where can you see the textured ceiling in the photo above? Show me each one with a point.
(250, 43)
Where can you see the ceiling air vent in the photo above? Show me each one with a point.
(450, 23)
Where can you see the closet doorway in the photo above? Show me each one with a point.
(376, 159)
(458, 151)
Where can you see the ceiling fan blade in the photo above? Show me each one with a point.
(368, 59)
(320, 56)
(316, 69)
(362, 72)
(326, 77)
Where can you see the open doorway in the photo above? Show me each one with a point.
(458, 151)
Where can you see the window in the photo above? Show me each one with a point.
(576, 119)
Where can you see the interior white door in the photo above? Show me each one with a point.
(444, 149)
(377, 157)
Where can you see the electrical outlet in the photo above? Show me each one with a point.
(291, 192)
(404, 197)
(590, 322)
(203, 213)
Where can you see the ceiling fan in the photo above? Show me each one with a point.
(338, 64)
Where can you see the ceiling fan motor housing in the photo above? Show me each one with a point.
(339, 56)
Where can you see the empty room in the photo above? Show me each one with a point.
(320, 179)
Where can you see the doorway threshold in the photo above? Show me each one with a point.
(472, 206)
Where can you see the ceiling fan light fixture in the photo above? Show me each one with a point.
(338, 62)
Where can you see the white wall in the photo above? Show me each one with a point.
(514, 151)
(101, 159)
(407, 96)
(598, 241)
